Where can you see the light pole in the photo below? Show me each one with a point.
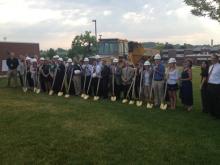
(100, 37)
(95, 28)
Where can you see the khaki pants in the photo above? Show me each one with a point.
(77, 84)
(158, 87)
(12, 74)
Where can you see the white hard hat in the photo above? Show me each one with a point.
(172, 60)
(69, 60)
(27, 58)
(56, 56)
(33, 60)
(97, 57)
(60, 59)
(42, 59)
(157, 57)
(115, 60)
(147, 63)
(86, 60)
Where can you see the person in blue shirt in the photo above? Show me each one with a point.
(158, 80)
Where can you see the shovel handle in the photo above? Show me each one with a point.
(71, 76)
(89, 85)
(140, 84)
(113, 82)
(97, 89)
(84, 85)
(54, 78)
(129, 89)
(151, 89)
(63, 79)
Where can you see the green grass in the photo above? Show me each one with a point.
(39, 129)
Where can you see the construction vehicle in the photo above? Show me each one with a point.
(124, 49)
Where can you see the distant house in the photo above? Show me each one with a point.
(25, 49)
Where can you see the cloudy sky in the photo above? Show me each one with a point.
(54, 23)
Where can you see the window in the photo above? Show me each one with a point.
(108, 48)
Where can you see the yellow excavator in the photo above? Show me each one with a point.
(124, 49)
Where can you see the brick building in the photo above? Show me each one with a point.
(25, 49)
(197, 55)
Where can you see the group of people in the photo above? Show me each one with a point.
(147, 81)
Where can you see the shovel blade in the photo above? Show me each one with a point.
(86, 97)
(124, 101)
(25, 90)
(67, 96)
(139, 103)
(131, 102)
(113, 98)
(37, 91)
(163, 106)
(51, 92)
(60, 94)
(149, 106)
(96, 98)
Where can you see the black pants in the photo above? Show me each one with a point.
(104, 87)
(118, 90)
(213, 103)
(204, 98)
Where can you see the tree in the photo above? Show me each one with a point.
(83, 45)
(50, 53)
(168, 46)
(159, 46)
(210, 8)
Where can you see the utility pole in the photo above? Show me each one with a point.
(95, 28)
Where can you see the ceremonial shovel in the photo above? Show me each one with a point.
(163, 105)
(67, 95)
(96, 98)
(139, 102)
(61, 92)
(113, 97)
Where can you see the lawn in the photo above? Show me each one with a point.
(42, 129)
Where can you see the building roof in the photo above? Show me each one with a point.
(13, 42)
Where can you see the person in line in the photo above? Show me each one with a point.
(139, 71)
(172, 82)
(21, 69)
(147, 75)
(45, 78)
(127, 77)
(96, 77)
(105, 79)
(213, 89)
(203, 86)
(59, 76)
(186, 89)
(87, 73)
(116, 70)
(33, 71)
(77, 77)
(12, 63)
(158, 80)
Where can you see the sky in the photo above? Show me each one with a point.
(54, 23)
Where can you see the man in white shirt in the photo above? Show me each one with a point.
(213, 89)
